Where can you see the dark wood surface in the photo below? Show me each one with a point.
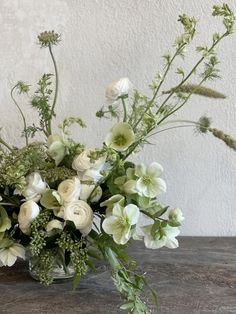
(199, 277)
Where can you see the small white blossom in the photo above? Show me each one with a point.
(118, 88)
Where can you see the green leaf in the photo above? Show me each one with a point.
(127, 306)
(173, 223)
(76, 279)
(48, 200)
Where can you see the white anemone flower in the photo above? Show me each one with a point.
(119, 224)
(120, 137)
(167, 237)
(149, 184)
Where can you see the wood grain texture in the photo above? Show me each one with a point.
(199, 278)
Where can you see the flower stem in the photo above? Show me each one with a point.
(56, 89)
(22, 115)
(124, 108)
(160, 84)
(5, 144)
(192, 71)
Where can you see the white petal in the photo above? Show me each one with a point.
(140, 170)
(132, 212)
(172, 243)
(129, 187)
(111, 224)
(154, 170)
(151, 243)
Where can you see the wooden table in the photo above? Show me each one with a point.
(199, 278)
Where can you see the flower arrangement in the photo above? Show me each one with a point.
(69, 204)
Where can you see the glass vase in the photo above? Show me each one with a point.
(59, 272)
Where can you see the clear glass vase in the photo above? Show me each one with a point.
(59, 272)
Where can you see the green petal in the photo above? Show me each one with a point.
(154, 170)
(140, 170)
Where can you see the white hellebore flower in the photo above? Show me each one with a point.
(54, 226)
(28, 212)
(69, 190)
(81, 214)
(120, 222)
(118, 88)
(111, 202)
(86, 169)
(176, 215)
(87, 189)
(35, 187)
(149, 184)
(5, 221)
(120, 137)
(9, 251)
(165, 238)
(56, 148)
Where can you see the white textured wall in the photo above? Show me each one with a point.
(104, 40)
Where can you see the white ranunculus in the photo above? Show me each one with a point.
(81, 214)
(35, 187)
(56, 148)
(118, 88)
(87, 189)
(28, 212)
(91, 175)
(82, 162)
(54, 226)
(69, 190)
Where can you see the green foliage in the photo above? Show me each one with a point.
(198, 90)
(41, 101)
(14, 167)
(228, 14)
(54, 175)
(78, 254)
(48, 200)
(38, 232)
(68, 122)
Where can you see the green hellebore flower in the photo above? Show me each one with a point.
(120, 137)
(149, 184)
(5, 222)
(167, 237)
(120, 222)
(9, 251)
